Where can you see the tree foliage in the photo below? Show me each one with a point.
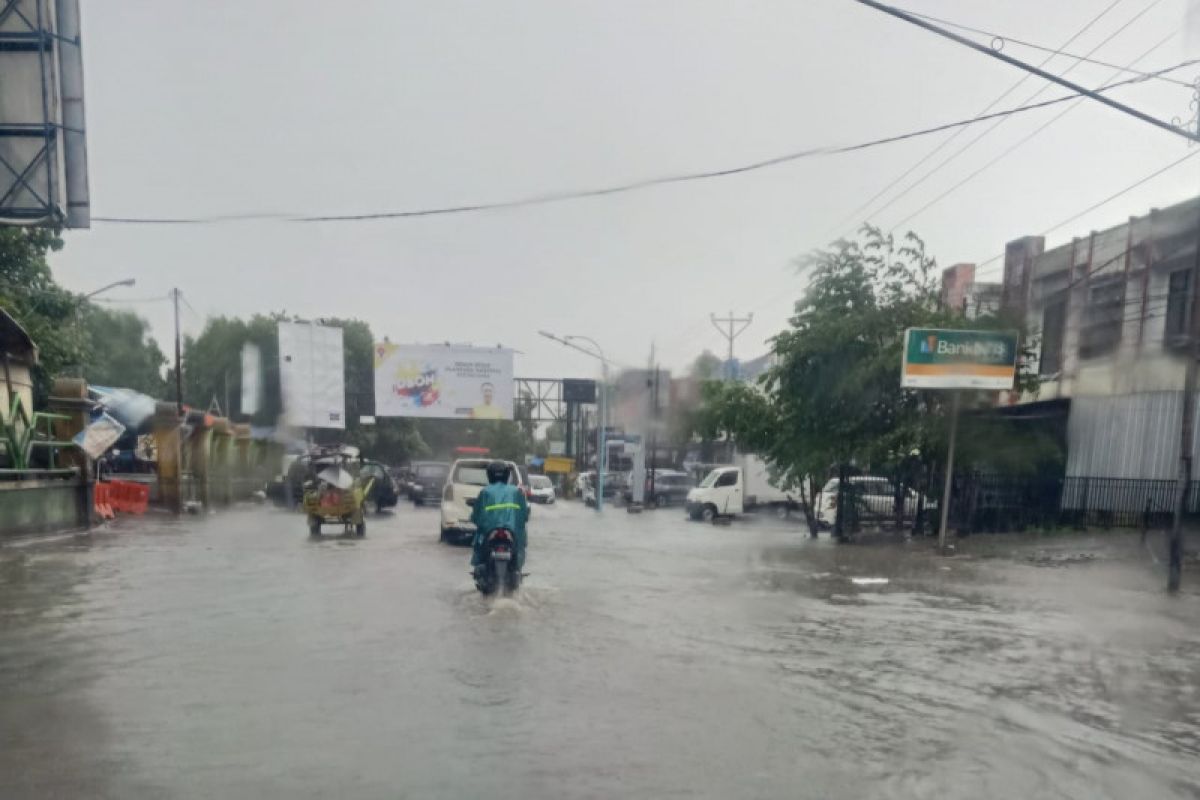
(44, 309)
(833, 396)
(121, 352)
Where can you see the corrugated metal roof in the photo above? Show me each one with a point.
(14, 339)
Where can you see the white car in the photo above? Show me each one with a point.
(467, 477)
(541, 489)
(876, 496)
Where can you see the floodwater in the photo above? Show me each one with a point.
(231, 656)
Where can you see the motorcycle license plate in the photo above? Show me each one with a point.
(502, 555)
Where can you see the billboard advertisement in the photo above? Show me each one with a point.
(312, 378)
(948, 359)
(446, 381)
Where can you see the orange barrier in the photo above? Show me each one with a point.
(128, 497)
(101, 501)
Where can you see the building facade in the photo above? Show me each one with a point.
(961, 292)
(1111, 313)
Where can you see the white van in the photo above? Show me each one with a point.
(467, 476)
(744, 486)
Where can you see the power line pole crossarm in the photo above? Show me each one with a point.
(731, 334)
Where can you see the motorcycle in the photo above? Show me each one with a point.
(499, 567)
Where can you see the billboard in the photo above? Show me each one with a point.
(447, 381)
(948, 359)
(312, 379)
(578, 391)
(43, 146)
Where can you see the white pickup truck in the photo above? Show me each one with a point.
(742, 486)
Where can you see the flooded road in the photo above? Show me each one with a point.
(646, 657)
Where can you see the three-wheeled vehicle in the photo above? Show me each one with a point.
(334, 490)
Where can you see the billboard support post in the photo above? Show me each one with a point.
(934, 358)
(947, 484)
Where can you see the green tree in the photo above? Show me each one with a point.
(120, 352)
(29, 294)
(834, 396)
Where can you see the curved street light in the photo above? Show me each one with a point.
(113, 285)
(602, 455)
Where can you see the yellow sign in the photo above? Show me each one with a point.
(559, 464)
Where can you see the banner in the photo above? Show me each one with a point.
(312, 380)
(443, 381)
(251, 379)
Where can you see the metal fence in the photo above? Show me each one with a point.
(997, 503)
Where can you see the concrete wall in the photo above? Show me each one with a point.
(43, 505)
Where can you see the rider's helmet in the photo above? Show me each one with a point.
(497, 472)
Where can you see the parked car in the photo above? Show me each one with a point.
(384, 491)
(873, 495)
(670, 488)
(541, 489)
(428, 479)
(467, 477)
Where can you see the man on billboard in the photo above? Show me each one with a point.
(487, 410)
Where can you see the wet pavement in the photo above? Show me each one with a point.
(646, 656)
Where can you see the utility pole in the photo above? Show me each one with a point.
(178, 372)
(1187, 427)
(730, 335)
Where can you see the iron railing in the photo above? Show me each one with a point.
(983, 502)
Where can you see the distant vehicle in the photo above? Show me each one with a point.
(745, 486)
(467, 477)
(384, 492)
(541, 489)
(287, 488)
(336, 487)
(670, 488)
(874, 497)
(426, 482)
(612, 487)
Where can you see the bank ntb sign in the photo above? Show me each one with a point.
(946, 359)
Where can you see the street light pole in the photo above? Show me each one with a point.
(602, 455)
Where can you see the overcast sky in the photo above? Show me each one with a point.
(227, 106)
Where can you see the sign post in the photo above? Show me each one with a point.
(951, 359)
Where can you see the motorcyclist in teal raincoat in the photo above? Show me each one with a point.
(499, 505)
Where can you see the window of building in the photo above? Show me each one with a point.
(1053, 323)
(1178, 299)
(1102, 319)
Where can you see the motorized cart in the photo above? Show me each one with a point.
(334, 491)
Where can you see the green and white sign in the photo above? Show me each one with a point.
(946, 359)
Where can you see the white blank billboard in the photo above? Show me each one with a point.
(312, 375)
(453, 382)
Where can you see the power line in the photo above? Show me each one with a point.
(777, 295)
(1105, 201)
(853, 216)
(828, 150)
(989, 129)
(1075, 87)
(1021, 142)
(1003, 39)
